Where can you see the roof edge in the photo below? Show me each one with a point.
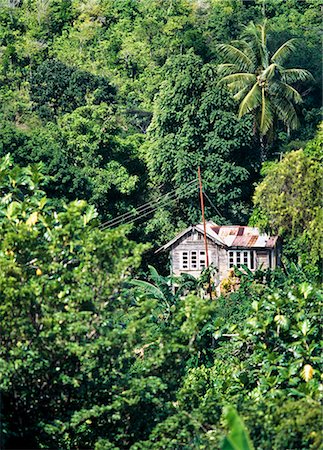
(175, 239)
(199, 229)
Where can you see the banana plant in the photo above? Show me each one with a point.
(163, 289)
(238, 436)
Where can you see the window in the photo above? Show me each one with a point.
(245, 258)
(193, 260)
(231, 259)
(202, 261)
(184, 260)
(238, 258)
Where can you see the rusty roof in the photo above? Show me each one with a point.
(233, 236)
(244, 241)
(244, 236)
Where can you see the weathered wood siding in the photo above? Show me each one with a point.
(223, 265)
(218, 256)
(262, 259)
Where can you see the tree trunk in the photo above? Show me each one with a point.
(263, 148)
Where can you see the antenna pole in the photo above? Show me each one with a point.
(203, 218)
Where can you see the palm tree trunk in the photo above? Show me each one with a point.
(263, 148)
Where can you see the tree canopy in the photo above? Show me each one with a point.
(83, 347)
(107, 109)
(194, 124)
(288, 200)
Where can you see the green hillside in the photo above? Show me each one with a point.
(107, 109)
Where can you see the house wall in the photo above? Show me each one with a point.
(189, 244)
(218, 256)
(223, 265)
(268, 258)
(262, 259)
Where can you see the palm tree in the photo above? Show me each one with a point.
(260, 82)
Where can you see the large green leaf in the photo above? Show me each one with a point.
(239, 80)
(251, 101)
(149, 289)
(238, 437)
(236, 56)
(284, 51)
(266, 120)
(294, 75)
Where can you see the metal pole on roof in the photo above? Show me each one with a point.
(203, 218)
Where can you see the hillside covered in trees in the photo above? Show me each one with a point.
(107, 109)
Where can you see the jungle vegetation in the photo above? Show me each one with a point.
(107, 108)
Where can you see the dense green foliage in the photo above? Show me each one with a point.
(289, 201)
(90, 360)
(81, 82)
(106, 105)
(194, 124)
(56, 88)
(58, 273)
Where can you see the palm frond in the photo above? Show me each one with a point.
(294, 75)
(251, 30)
(269, 72)
(263, 31)
(262, 83)
(251, 101)
(257, 35)
(286, 112)
(227, 69)
(238, 80)
(236, 56)
(241, 93)
(284, 50)
(238, 42)
(247, 48)
(266, 116)
(291, 93)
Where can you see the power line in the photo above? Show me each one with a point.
(143, 213)
(139, 217)
(212, 204)
(141, 209)
(150, 211)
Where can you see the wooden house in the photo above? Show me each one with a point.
(228, 246)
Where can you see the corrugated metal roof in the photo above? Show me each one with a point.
(244, 237)
(210, 231)
(230, 236)
(244, 241)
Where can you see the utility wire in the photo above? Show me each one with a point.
(144, 214)
(144, 206)
(212, 204)
(151, 210)
(141, 209)
(137, 212)
(138, 217)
